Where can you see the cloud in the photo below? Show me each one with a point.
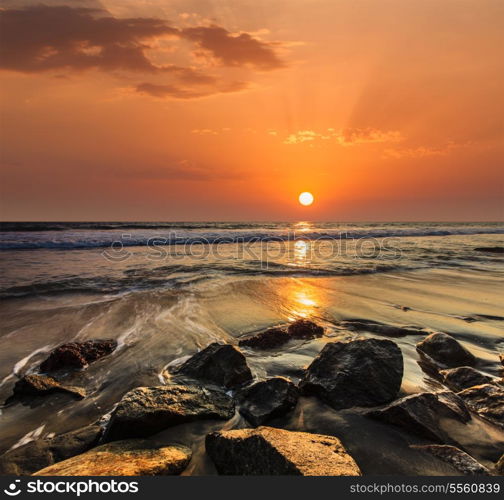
(422, 151)
(345, 137)
(234, 49)
(192, 92)
(42, 38)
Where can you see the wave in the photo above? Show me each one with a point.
(106, 239)
(177, 277)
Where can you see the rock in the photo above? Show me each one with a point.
(463, 377)
(487, 400)
(147, 410)
(304, 329)
(32, 386)
(132, 457)
(380, 328)
(499, 466)
(423, 414)
(357, 373)
(501, 357)
(222, 364)
(77, 355)
(458, 459)
(268, 399)
(490, 249)
(40, 453)
(272, 452)
(269, 339)
(445, 349)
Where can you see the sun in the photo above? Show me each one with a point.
(306, 199)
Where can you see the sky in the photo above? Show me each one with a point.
(147, 110)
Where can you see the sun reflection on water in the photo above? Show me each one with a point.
(302, 301)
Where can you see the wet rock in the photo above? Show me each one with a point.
(304, 329)
(380, 328)
(463, 377)
(487, 400)
(268, 399)
(269, 451)
(268, 339)
(33, 386)
(41, 453)
(221, 364)
(444, 349)
(357, 373)
(499, 466)
(147, 410)
(424, 414)
(490, 249)
(77, 355)
(132, 457)
(459, 459)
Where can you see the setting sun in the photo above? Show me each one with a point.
(306, 199)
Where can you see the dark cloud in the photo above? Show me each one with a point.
(42, 38)
(179, 92)
(233, 50)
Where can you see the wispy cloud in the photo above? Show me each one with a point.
(345, 137)
(423, 151)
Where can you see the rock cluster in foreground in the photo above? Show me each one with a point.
(269, 451)
(132, 457)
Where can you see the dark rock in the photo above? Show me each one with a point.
(304, 329)
(147, 410)
(268, 399)
(463, 377)
(32, 386)
(132, 457)
(423, 413)
(444, 349)
(490, 249)
(501, 357)
(41, 453)
(222, 364)
(77, 355)
(380, 328)
(266, 451)
(357, 373)
(458, 459)
(269, 339)
(487, 400)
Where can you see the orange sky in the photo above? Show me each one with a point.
(227, 109)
